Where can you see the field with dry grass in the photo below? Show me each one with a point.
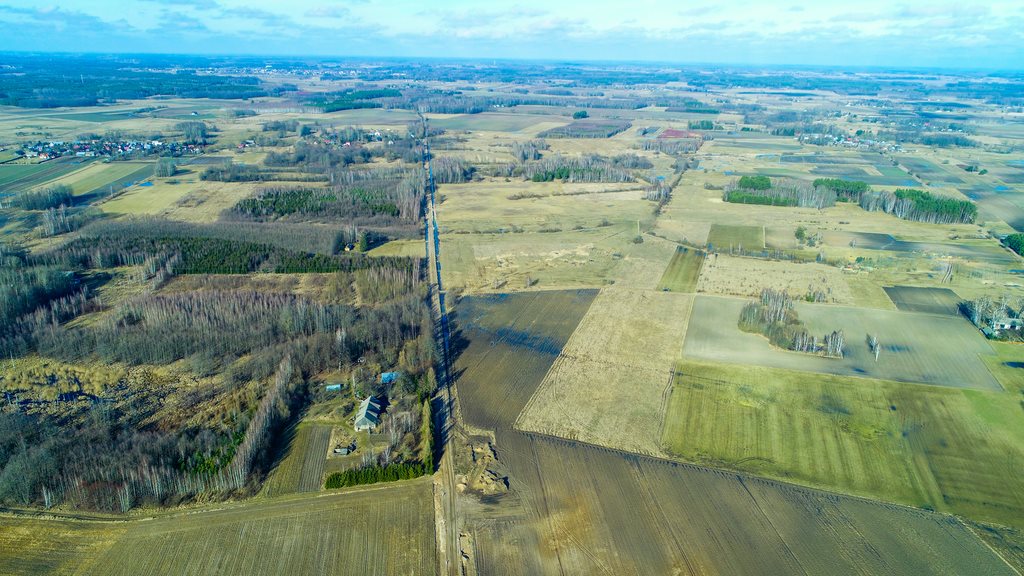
(742, 276)
(608, 385)
(506, 343)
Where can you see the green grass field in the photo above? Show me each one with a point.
(98, 117)
(99, 177)
(8, 155)
(927, 446)
(21, 177)
(682, 272)
(724, 236)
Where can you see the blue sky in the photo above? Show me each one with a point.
(867, 32)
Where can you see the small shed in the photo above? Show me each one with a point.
(332, 387)
(389, 377)
(368, 416)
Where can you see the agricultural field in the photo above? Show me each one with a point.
(928, 300)
(728, 237)
(302, 468)
(589, 128)
(18, 177)
(573, 506)
(607, 414)
(683, 271)
(537, 206)
(576, 506)
(925, 446)
(506, 344)
(908, 353)
(187, 199)
(52, 546)
(572, 259)
(378, 530)
(608, 384)
(99, 178)
(495, 122)
(742, 276)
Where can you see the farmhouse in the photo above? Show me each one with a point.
(1007, 324)
(368, 415)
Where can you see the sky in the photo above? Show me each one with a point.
(862, 33)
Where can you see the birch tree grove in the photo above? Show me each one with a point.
(272, 410)
(775, 317)
(920, 206)
(781, 192)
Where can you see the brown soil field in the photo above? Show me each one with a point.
(927, 300)
(511, 339)
(584, 509)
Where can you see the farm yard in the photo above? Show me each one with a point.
(908, 352)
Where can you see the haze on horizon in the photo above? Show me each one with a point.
(869, 33)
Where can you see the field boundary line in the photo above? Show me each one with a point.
(210, 508)
(666, 394)
(517, 423)
(744, 476)
(989, 546)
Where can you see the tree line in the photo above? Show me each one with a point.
(778, 192)
(920, 206)
(572, 169)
